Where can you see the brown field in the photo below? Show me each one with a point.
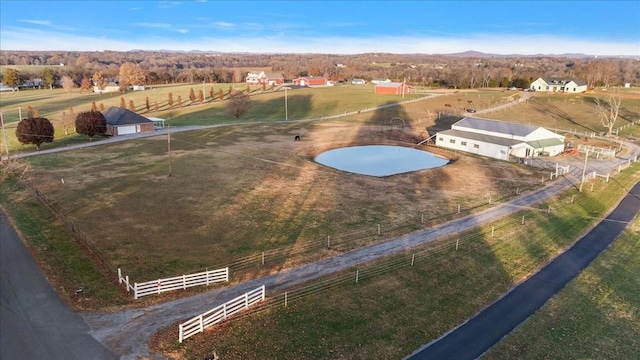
(237, 191)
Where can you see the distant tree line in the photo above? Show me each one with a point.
(464, 71)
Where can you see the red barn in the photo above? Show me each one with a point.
(310, 81)
(393, 88)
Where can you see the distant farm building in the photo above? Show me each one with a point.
(264, 78)
(380, 81)
(500, 140)
(393, 88)
(122, 122)
(358, 82)
(310, 81)
(111, 87)
(559, 85)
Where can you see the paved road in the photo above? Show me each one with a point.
(473, 338)
(34, 322)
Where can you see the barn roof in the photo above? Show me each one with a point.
(481, 137)
(118, 116)
(496, 126)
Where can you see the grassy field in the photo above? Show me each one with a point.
(596, 317)
(397, 307)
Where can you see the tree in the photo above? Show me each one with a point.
(132, 106)
(99, 81)
(91, 123)
(49, 77)
(192, 95)
(130, 74)
(147, 103)
(180, 100)
(123, 103)
(608, 110)
(12, 78)
(67, 83)
(238, 103)
(220, 94)
(93, 106)
(34, 130)
(170, 100)
(85, 84)
(200, 96)
(66, 120)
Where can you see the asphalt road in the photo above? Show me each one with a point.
(34, 322)
(474, 337)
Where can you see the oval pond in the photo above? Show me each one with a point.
(380, 160)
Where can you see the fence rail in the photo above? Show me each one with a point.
(220, 313)
(173, 283)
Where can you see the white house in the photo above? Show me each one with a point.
(266, 78)
(109, 88)
(499, 139)
(358, 82)
(559, 85)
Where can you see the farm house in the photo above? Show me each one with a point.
(559, 85)
(393, 88)
(122, 121)
(500, 140)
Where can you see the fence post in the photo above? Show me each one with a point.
(246, 300)
(549, 210)
(127, 283)
(201, 324)
(135, 291)
(492, 230)
(413, 258)
(522, 219)
(458, 208)
(357, 274)
(119, 276)
(457, 243)
(572, 198)
(180, 333)
(184, 282)
(285, 299)
(328, 242)
(263, 258)
(378, 229)
(227, 273)
(264, 292)
(422, 219)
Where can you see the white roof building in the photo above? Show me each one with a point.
(499, 139)
(559, 85)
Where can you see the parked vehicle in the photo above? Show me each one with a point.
(471, 110)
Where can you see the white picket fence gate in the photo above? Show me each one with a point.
(173, 283)
(220, 313)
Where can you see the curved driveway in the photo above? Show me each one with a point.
(473, 338)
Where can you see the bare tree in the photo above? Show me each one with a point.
(67, 83)
(608, 110)
(238, 103)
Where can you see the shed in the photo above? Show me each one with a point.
(500, 140)
(394, 88)
(122, 121)
(110, 87)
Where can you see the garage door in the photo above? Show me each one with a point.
(124, 130)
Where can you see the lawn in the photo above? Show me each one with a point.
(396, 307)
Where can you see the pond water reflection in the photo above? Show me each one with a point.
(380, 160)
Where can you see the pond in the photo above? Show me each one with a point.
(380, 160)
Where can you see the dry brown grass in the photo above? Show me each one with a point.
(237, 191)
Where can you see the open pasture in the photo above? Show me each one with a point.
(235, 192)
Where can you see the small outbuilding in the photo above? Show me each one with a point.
(500, 140)
(122, 122)
(358, 82)
(393, 88)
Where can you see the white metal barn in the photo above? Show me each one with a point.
(500, 140)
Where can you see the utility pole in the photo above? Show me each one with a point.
(169, 146)
(286, 106)
(584, 169)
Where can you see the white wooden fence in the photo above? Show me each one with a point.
(173, 283)
(220, 313)
(597, 152)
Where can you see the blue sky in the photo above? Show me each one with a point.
(336, 27)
